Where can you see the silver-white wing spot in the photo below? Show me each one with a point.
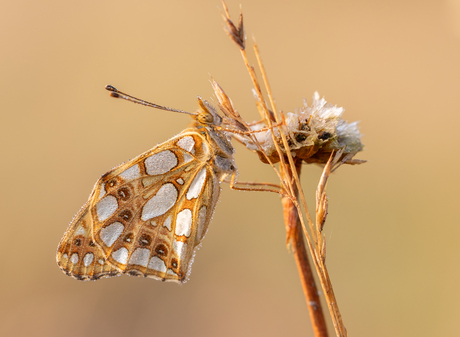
(74, 258)
(167, 223)
(106, 207)
(131, 173)
(88, 259)
(111, 233)
(160, 163)
(157, 264)
(197, 184)
(180, 248)
(180, 181)
(201, 222)
(160, 203)
(187, 143)
(184, 222)
(140, 257)
(121, 255)
(171, 272)
(187, 158)
(101, 262)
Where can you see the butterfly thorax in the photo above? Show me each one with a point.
(221, 148)
(222, 152)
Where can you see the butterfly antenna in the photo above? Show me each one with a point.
(114, 92)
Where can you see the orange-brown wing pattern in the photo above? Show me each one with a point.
(147, 217)
(156, 235)
(78, 255)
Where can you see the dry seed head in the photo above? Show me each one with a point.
(313, 132)
(235, 33)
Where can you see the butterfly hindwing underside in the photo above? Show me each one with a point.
(78, 256)
(146, 217)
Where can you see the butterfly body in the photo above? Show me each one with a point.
(147, 217)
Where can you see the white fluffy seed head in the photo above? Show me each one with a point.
(312, 132)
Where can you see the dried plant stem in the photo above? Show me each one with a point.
(291, 191)
(315, 244)
(293, 226)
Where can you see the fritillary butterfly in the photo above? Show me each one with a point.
(147, 217)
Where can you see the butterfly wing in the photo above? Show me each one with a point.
(154, 210)
(147, 216)
(156, 235)
(78, 255)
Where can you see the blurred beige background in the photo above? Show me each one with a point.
(393, 228)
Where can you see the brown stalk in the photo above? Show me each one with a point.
(293, 226)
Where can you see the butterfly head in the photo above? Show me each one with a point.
(207, 114)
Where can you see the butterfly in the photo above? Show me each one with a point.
(147, 217)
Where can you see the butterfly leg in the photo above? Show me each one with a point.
(253, 186)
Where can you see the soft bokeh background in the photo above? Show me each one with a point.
(393, 229)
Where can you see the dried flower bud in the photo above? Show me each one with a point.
(312, 133)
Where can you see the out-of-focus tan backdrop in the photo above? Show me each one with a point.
(393, 228)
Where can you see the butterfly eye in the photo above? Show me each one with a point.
(174, 263)
(91, 243)
(77, 242)
(205, 117)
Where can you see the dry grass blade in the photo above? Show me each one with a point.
(321, 198)
(226, 106)
(225, 103)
